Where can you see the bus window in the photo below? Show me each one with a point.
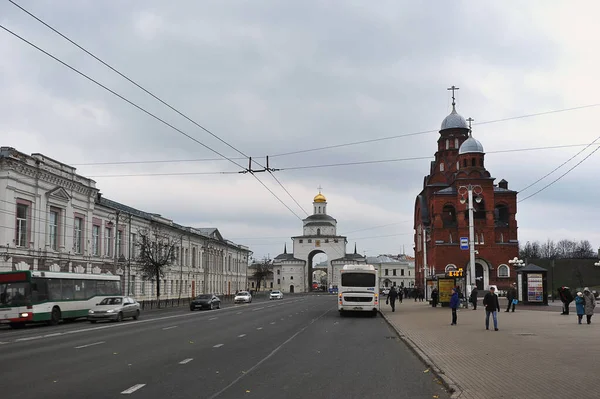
(68, 289)
(39, 290)
(15, 294)
(80, 289)
(358, 280)
(90, 289)
(54, 291)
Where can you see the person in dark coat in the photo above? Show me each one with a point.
(391, 299)
(473, 297)
(492, 306)
(434, 297)
(589, 304)
(454, 303)
(564, 293)
(511, 295)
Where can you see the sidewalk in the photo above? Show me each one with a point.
(535, 354)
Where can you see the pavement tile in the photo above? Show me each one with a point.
(535, 354)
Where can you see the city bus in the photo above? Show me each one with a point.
(358, 289)
(36, 296)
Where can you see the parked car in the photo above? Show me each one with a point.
(114, 308)
(205, 301)
(276, 295)
(242, 297)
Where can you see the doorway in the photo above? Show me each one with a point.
(292, 288)
(479, 276)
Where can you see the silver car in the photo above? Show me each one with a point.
(114, 308)
(242, 297)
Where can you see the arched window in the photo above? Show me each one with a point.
(501, 237)
(501, 215)
(472, 161)
(447, 144)
(450, 267)
(450, 239)
(457, 165)
(441, 167)
(503, 271)
(464, 163)
(318, 232)
(449, 216)
(482, 241)
(455, 143)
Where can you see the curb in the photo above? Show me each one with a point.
(450, 385)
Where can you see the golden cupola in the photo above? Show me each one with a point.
(320, 198)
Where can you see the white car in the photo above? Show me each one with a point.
(242, 297)
(276, 295)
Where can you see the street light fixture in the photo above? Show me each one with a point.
(597, 263)
(516, 262)
(469, 190)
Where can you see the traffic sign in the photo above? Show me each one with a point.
(464, 243)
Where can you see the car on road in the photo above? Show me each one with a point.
(114, 308)
(205, 301)
(276, 295)
(242, 297)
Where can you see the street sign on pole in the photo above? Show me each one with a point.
(464, 243)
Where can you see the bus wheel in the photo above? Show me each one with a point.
(374, 314)
(55, 316)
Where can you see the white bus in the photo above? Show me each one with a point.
(358, 289)
(34, 296)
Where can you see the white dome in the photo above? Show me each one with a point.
(454, 121)
(470, 146)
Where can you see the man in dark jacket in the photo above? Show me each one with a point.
(566, 298)
(392, 295)
(473, 297)
(492, 306)
(454, 303)
(511, 295)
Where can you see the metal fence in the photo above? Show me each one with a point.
(185, 301)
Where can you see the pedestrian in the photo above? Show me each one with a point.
(511, 295)
(566, 298)
(400, 294)
(580, 306)
(434, 297)
(589, 305)
(454, 303)
(392, 295)
(473, 297)
(492, 306)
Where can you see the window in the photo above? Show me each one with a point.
(473, 162)
(465, 163)
(447, 144)
(503, 271)
(457, 165)
(78, 235)
(278, 281)
(393, 272)
(53, 228)
(278, 272)
(387, 272)
(309, 240)
(132, 286)
(441, 167)
(96, 240)
(119, 242)
(402, 272)
(271, 284)
(132, 241)
(318, 232)
(300, 241)
(22, 218)
(292, 277)
(455, 143)
(108, 241)
(449, 216)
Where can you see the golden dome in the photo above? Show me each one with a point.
(320, 198)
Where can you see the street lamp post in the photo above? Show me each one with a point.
(462, 190)
(516, 263)
(425, 263)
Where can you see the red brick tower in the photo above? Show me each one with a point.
(442, 219)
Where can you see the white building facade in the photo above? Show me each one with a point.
(394, 270)
(293, 272)
(54, 219)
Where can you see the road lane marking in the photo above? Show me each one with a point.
(259, 328)
(169, 328)
(241, 335)
(213, 318)
(271, 306)
(186, 361)
(88, 345)
(4, 343)
(52, 335)
(239, 312)
(28, 338)
(270, 355)
(133, 389)
(218, 345)
(273, 322)
(254, 310)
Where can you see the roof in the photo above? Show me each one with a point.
(532, 268)
(454, 121)
(471, 146)
(320, 216)
(503, 190)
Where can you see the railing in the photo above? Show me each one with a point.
(185, 301)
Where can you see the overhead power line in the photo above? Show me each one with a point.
(144, 110)
(265, 168)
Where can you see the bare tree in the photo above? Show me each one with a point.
(156, 253)
(565, 248)
(261, 271)
(583, 250)
(530, 251)
(548, 250)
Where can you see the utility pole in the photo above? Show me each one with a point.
(425, 263)
(116, 255)
(129, 257)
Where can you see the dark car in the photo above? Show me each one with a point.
(205, 301)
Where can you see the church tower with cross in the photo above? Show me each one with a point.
(441, 218)
(295, 272)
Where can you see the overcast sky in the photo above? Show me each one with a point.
(273, 77)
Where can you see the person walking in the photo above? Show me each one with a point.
(454, 303)
(473, 297)
(434, 297)
(492, 306)
(579, 306)
(511, 295)
(392, 295)
(589, 304)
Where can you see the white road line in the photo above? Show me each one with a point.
(213, 318)
(254, 310)
(186, 361)
(241, 335)
(52, 335)
(28, 338)
(133, 389)
(270, 355)
(271, 306)
(272, 322)
(4, 343)
(169, 328)
(239, 312)
(88, 345)
(259, 328)
(218, 346)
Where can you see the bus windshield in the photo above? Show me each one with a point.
(15, 294)
(358, 280)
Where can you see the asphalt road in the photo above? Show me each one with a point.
(297, 347)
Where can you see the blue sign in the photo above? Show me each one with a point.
(464, 243)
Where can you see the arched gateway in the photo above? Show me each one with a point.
(294, 272)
